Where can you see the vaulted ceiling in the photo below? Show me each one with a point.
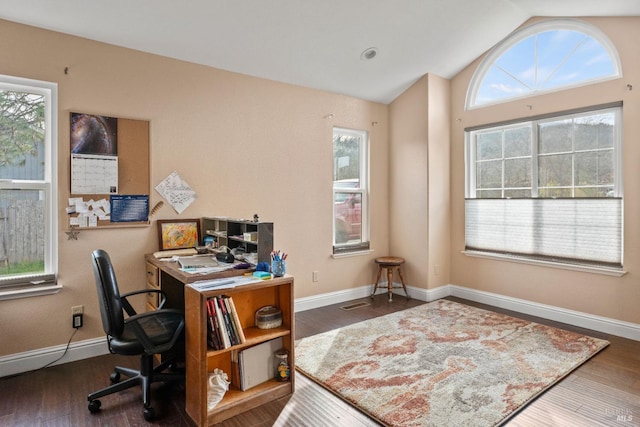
(311, 43)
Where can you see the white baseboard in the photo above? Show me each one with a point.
(576, 318)
(557, 314)
(35, 359)
(316, 301)
(30, 360)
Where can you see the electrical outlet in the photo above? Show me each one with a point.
(77, 320)
(314, 276)
(77, 309)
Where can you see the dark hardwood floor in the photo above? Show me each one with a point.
(603, 391)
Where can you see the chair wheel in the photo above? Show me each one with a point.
(149, 413)
(115, 377)
(94, 406)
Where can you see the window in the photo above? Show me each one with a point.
(548, 188)
(544, 57)
(350, 191)
(28, 145)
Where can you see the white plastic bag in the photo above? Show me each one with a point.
(218, 386)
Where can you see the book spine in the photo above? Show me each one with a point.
(228, 323)
(232, 322)
(236, 319)
(218, 336)
(243, 385)
(224, 335)
(212, 327)
(236, 380)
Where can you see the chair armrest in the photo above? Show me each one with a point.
(143, 337)
(129, 308)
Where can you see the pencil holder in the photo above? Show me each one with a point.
(278, 268)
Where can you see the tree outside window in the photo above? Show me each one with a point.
(27, 196)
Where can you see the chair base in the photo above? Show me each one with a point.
(146, 376)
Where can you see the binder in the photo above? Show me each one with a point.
(257, 364)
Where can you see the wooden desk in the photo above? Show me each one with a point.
(167, 276)
(200, 360)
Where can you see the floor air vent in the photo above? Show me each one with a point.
(354, 305)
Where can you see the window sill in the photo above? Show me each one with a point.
(30, 291)
(350, 254)
(563, 266)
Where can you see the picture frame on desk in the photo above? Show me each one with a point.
(178, 234)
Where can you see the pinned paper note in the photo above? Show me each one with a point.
(177, 192)
(87, 213)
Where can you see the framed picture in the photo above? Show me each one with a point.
(177, 234)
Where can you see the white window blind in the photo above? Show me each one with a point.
(583, 231)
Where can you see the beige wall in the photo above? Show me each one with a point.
(600, 295)
(248, 145)
(419, 182)
(245, 145)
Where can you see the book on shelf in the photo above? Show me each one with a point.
(213, 338)
(223, 323)
(236, 378)
(222, 327)
(254, 365)
(236, 319)
(228, 327)
(233, 335)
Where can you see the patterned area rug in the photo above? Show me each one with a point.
(442, 364)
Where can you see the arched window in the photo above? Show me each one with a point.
(543, 57)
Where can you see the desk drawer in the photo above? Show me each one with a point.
(152, 275)
(153, 298)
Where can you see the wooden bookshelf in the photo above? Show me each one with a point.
(201, 360)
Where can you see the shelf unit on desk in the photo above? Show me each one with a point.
(230, 232)
(200, 360)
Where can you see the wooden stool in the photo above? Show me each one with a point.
(389, 262)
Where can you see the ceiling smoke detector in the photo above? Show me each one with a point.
(369, 53)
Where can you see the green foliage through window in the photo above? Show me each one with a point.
(568, 156)
(28, 190)
(21, 127)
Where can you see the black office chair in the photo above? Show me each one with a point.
(144, 334)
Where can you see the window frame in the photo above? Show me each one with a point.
(533, 122)
(536, 28)
(363, 191)
(45, 283)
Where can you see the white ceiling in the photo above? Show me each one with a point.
(312, 43)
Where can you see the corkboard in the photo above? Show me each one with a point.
(133, 158)
(133, 164)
